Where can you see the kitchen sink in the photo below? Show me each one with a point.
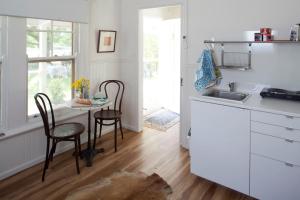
(222, 94)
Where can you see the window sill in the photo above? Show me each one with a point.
(59, 112)
(36, 124)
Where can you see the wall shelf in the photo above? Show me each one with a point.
(252, 42)
(248, 55)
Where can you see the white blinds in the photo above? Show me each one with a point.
(61, 10)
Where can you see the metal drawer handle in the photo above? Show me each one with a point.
(289, 117)
(289, 164)
(2, 134)
(289, 129)
(290, 141)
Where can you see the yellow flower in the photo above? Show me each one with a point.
(81, 83)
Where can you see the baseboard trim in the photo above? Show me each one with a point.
(35, 161)
(131, 128)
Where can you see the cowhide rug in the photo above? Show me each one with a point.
(124, 186)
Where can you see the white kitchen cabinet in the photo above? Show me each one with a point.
(275, 156)
(220, 144)
(274, 180)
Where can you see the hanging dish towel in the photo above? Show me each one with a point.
(207, 74)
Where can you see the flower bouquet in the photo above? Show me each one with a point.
(81, 87)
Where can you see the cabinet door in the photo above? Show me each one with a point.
(220, 144)
(274, 180)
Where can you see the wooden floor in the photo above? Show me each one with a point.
(149, 152)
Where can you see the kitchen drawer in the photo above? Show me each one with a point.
(276, 148)
(277, 131)
(273, 180)
(275, 119)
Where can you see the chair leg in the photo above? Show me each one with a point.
(116, 135)
(76, 154)
(79, 147)
(121, 129)
(101, 122)
(53, 149)
(46, 160)
(95, 134)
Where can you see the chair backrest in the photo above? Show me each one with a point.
(41, 101)
(117, 100)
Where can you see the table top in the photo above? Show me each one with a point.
(74, 105)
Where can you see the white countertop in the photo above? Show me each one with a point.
(256, 102)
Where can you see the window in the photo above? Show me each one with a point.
(51, 61)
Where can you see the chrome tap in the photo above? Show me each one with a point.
(232, 86)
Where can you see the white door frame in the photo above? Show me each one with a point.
(183, 125)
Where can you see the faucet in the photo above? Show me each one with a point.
(232, 86)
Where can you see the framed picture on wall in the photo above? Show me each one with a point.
(106, 41)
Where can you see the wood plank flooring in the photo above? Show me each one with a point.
(149, 152)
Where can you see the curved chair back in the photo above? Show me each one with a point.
(119, 93)
(41, 101)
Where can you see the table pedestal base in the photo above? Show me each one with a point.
(88, 155)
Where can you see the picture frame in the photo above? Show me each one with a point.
(106, 41)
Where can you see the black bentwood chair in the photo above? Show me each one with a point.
(110, 114)
(57, 133)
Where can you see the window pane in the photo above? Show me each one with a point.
(62, 26)
(38, 24)
(39, 44)
(62, 44)
(47, 38)
(52, 78)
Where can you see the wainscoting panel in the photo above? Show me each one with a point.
(101, 70)
(27, 149)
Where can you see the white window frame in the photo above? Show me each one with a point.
(59, 111)
(3, 46)
(1, 67)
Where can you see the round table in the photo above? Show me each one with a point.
(89, 153)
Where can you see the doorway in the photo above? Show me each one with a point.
(161, 50)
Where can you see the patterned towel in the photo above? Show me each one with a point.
(207, 73)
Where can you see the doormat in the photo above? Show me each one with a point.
(124, 186)
(161, 120)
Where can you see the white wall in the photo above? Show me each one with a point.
(276, 65)
(104, 15)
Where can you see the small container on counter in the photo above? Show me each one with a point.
(266, 31)
(258, 37)
(266, 34)
(295, 33)
(267, 37)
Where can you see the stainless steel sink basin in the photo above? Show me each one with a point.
(234, 96)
